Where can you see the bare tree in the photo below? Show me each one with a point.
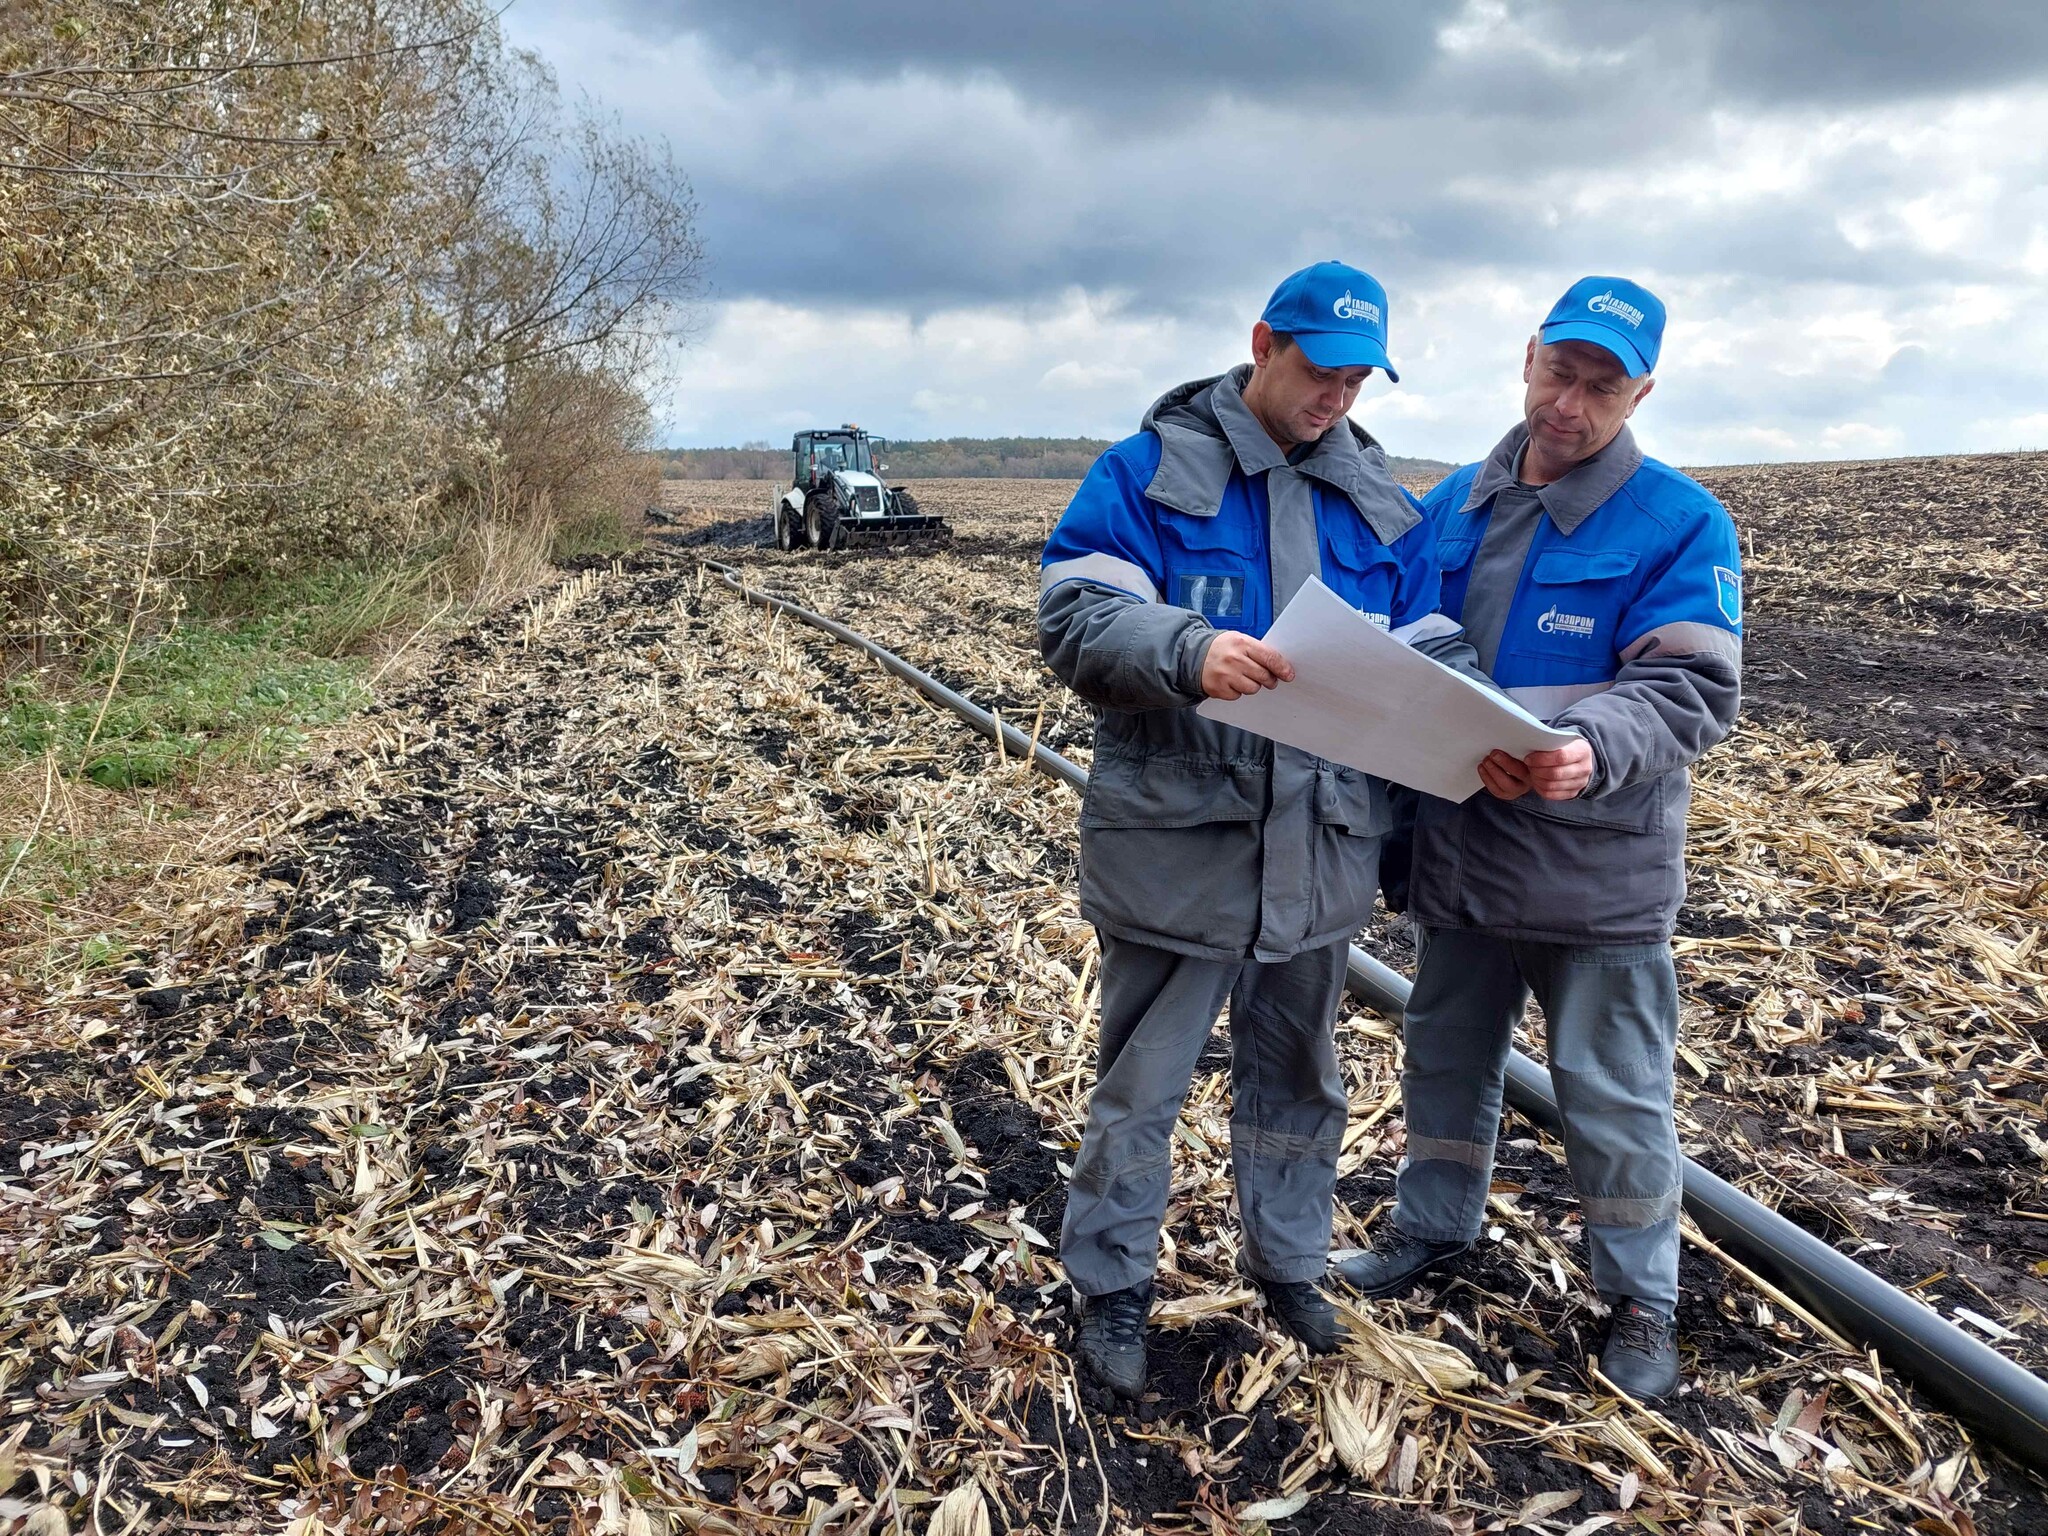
(270, 271)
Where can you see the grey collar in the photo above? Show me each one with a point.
(1255, 449)
(1571, 500)
(1194, 455)
(1195, 460)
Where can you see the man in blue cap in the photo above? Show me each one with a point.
(1603, 591)
(1215, 864)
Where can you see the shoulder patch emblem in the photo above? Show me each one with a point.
(1729, 586)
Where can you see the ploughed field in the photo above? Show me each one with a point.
(1902, 607)
(626, 1087)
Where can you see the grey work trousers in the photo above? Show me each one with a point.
(1286, 1120)
(1612, 1012)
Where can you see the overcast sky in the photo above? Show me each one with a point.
(969, 219)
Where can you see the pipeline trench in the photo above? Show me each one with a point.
(626, 1086)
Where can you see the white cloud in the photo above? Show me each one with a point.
(1075, 375)
(1077, 365)
(1740, 445)
(1861, 439)
(1490, 27)
(2001, 432)
(932, 404)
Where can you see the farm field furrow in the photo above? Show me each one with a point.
(628, 1088)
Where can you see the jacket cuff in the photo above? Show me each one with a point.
(1195, 641)
(1598, 782)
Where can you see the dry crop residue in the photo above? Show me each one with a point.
(632, 1093)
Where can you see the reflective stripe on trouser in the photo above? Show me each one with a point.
(1287, 1109)
(1611, 1013)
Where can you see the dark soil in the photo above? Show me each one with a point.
(1894, 606)
(1960, 695)
(1970, 718)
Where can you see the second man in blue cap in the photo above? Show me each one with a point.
(1602, 590)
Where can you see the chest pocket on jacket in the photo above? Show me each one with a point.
(1573, 608)
(1207, 567)
(1454, 557)
(1366, 575)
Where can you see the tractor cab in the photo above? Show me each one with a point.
(820, 455)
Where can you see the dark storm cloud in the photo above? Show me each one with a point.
(1804, 405)
(893, 251)
(1308, 54)
(919, 155)
(1842, 50)
(1111, 58)
(952, 212)
(1815, 183)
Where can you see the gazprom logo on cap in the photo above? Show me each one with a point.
(1348, 308)
(1608, 304)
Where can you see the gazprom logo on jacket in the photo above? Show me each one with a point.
(1348, 308)
(1608, 304)
(1576, 624)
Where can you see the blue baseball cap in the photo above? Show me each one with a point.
(1336, 314)
(1612, 312)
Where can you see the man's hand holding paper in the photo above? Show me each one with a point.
(1238, 665)
(1560, 775)
(1360, 697)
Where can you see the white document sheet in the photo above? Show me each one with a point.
(1365, 699)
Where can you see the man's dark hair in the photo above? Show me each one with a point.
(1282, 340)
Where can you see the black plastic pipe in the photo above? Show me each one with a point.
(2005, 1404)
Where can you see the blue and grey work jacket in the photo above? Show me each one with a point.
(1197, 837)
(1622, 621)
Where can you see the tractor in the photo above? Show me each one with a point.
(836, 494)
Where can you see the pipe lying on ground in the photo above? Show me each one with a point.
(2005, 1404)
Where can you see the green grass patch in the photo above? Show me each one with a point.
(597, 534)
(329, 610)
(241, 694)
(257, 664)
(258, 661)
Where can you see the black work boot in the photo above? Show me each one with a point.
(1304, 1311)
(1393, 1263)
(1113, 1339)
(1641, 1352)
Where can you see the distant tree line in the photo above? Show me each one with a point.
(946, 458)
(950, 458)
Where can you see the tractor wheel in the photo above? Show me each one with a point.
(785, 529)
(906, 505)
(821, 521)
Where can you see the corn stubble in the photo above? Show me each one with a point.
(629, 1089)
